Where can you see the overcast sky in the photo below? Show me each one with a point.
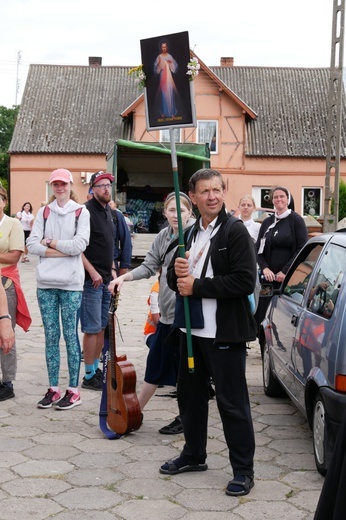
(255, 32)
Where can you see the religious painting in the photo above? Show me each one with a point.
(312, 198)
(168, 89)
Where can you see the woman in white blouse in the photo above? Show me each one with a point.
(26, 218)
(246, 207)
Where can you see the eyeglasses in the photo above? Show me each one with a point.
(103, 186)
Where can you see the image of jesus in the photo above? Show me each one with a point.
(165, 65)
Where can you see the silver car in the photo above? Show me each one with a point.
(303, 339)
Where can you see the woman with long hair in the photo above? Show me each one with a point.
(246, 207)
(26, 217)
(11, 248)
(60, 235)
(162, 361)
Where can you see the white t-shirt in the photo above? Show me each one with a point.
(253, 228)
(25, 219)
(198, 253)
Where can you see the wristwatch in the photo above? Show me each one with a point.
(49, 241)
(6, 316)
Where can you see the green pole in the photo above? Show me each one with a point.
(181, 246)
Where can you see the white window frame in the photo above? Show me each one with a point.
(201, 134)
(256, 193)
(164, 135)
(49, 191)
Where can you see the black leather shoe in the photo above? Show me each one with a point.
(5, 392)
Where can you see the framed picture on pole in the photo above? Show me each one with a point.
(168, 90)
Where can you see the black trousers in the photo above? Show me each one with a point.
(332, 501)
(226, 365)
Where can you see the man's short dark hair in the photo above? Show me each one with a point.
(202, 175)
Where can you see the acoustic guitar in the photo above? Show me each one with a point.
(124, 413)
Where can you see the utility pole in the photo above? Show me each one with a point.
(19, 57)
(333, 137)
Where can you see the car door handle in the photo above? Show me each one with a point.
(294, 320)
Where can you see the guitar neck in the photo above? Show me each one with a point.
(112, 343)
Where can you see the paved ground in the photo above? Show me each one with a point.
(57, 464)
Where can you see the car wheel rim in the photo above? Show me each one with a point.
(319, 429)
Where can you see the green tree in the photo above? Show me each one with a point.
(8, 118)
(342, 200)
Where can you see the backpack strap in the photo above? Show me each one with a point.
(77, 214)
(46, 213)
(175, 242)
(171, 246)
(114, 216)
(225, 227)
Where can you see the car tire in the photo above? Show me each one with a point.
(271, 385)
(319, 434)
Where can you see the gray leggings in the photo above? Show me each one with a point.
(9, 361)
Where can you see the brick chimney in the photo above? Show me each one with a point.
(226, 62)
(95, 61)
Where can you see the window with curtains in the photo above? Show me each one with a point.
(207, 133)
(164, 135)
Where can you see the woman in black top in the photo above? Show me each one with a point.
(280, 238)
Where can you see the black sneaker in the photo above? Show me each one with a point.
(99, 374)
(70, 400)
(51, 398)
(93, 383)
(6, 392)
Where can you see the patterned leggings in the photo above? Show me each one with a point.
(51, 301)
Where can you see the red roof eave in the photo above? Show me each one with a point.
(216, 80)
(133, 106)
(224, 87)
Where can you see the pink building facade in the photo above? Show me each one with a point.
(224, 121)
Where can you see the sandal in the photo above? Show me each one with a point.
(180, 465)
(240, 485)
(173, 428)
